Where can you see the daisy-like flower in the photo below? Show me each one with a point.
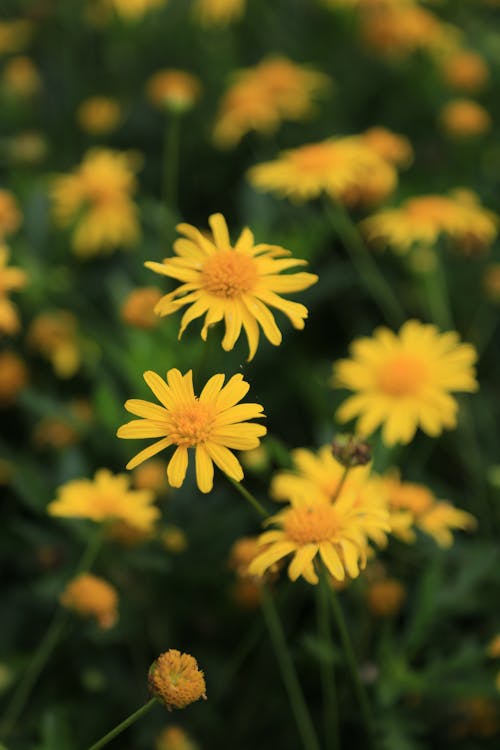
(394, 148)
(134, 10)
(346, 169)
(464, 118)
(404, 381)
(458, 217)
(95, 200)
(175, 679)
(10, 215)
(99, 115)
(236, 284)
(107, 497)
(310, 526)
(218, 12)
(54, 335)
(465, 70)
(173, 89)
(11, 279)
(90, 596)
(211, 424)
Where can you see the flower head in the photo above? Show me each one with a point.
(172, 89)
(422, 221)
(345, 169)
(95, 201)
(13, 377)
(385, 597)
(173, 539)
(90, 596)
(465, 70)
(134, 10)
(99, 115)
(20, 77)
(211, 424)
(394, 148)
(138, 308)
(236, 284)
(107, 497)
(11, 279)
(175, 680)
(10, 215)
(175, 738)
(464, 118)
(15, 35)
(218, 12)
(54, 335)
(404, 381)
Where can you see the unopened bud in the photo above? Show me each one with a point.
(351, 451)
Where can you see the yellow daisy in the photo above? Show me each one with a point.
(11, 279)
(404, 381)
(218, 12)
(464, 118)
(107, 497)
(95, 200)
(346, 169)
(310, 526)
(457, 217)
(211, 424)
(236, 284)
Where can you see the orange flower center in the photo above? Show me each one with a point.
(192, 424)
(402, 376)
(228, 274)
(312, 524)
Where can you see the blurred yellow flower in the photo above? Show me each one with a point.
(211, 424)
(175, 738)
(442, 519)
(173, 539)
(176, 90)
(464, 118)
(138, 309)
(99, 115)
(493, 649)
(28, 147)
(394, 148)
(242, 553)
(54, 335)
(20, 77)
(95, 201)
(404, 381)
(385, 597)
(491, 282)
(218, 12)
(236, 284)
(13, 377)
(10, 215)
(11, 279)
(260, 98)
(101, 11)
(175, 679)
(15, 35)
(458, 217)
(90, 596)
(466, 71)
(150, 476)
(346, 169)
(107, 497)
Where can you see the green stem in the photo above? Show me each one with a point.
(341, 483)
(365, 265)
(123, 725)
(361, 695)
(438, 298)
(171, 161)
(330, 707)
(47, 644)
(288, 673)
(249, 497)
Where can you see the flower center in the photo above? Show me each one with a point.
(312, 524)
(228, 274)
(402, 376)
(192, 424)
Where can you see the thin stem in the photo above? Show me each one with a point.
(341, 483)
(47, 644)
(288, 673)
(365, 265)
(123, 725)
(353, 668)
(249, 497)
(438, 299)
(330, 707)
(171, 160)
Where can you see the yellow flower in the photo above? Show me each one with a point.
(173, 539)
(134, 10)
(20, 77)
(13, 377)
(173, 89)
(90, 596)
(175, 738)
(11, 279)
(95, 201)
(10, 215)
(138, 308)
(260, 98)
(458, 217)
(218, 12)
(211, 424)
(175, 680)
(346, 169)
(54, 335)
(235, 284)
(386, 597)
(404, 381)
(394, 148)
(466, 71)
(105, 498)
(99, 115)
(464, 118)
(493, 649)
(242, 553)
(150, 476)
(442, 519)
(15, 35)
